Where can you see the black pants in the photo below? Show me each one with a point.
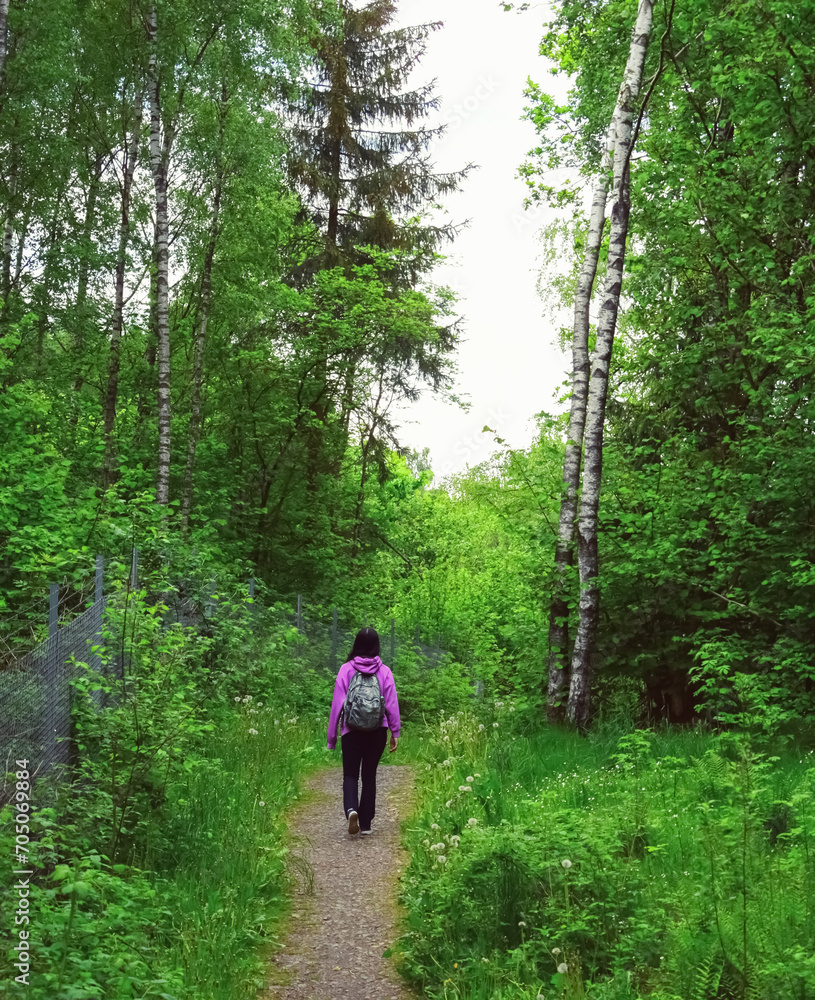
(364, 748)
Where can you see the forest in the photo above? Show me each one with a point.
(218, 291)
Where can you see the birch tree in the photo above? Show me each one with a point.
(160, 147)
(579, 703)
(3, 22)
(558, 674)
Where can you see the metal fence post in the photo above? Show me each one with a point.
(94, 660)
(334, 640)
(134, 570)
(53, 609)
(56, 715)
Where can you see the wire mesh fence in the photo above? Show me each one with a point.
(35, 692)
(36, 688)
(327, 643)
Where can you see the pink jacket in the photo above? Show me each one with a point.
(367, 665)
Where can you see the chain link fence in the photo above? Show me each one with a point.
(35, 693)
(327, 644)
(35, 688)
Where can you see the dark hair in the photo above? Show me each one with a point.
(365, 644)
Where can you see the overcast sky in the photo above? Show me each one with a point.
(510, 365)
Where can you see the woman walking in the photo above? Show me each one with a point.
(365, 703)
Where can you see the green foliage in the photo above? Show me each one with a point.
(704, 522)
(161, 865)
(652, 865)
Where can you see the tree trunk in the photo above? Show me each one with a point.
(365, 447)
(80, 311)
(579, 704)
(87, 231)
(198, 362)
(8, 228)
(159, 156)
(200, 341)
(3, 21)
(558, 673)
(117, 319)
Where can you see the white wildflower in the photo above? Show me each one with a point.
(445, 763)
(469, 779)
(563, 968)
(442, 860)
(237, 697)
(495, 725)
(522, 923)
(556, 952)
(485, 960)
(472, 821)
(464, 788)
(427, 767)
(448, 803)
(512, 708)
(476, 775)
(481, 730)
(566, 863)
(261, 804)
(248, 698)
(455, 840)
(253, 732)
(437, 847)
(435, 826)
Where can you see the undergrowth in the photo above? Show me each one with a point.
(672, 865)
(159, 859)
(160, 863)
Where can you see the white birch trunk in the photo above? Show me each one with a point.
(558, 673)
(8, 229)
(3, 23)
(159, 157)
(579, 704)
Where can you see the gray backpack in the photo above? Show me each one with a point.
(364, 707)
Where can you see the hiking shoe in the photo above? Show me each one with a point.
(367, 832)
(353, 821)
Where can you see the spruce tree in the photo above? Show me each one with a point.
(360, 154)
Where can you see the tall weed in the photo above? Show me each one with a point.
(161, 866)
(633, 865)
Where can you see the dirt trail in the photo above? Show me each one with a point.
(342, 924)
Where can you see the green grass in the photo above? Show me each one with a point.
(188, 917)
(689, 875)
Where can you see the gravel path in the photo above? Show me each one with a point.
(344, 921)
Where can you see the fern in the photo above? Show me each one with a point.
(708, 972)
